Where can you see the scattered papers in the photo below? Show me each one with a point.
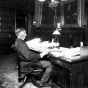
(66, 52)
(56, 54)
(72, 52)
(37, 45)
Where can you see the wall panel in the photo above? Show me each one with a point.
(7, 25)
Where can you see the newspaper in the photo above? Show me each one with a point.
(38, 45)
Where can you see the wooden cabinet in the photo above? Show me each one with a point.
(70, 74)
(7, 26)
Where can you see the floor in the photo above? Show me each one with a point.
(9, 73)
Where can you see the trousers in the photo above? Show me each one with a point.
(44, 64)
(48, 69)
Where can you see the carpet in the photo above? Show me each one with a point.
(9, 73)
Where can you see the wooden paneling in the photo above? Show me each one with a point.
(70, 37)
(7, 26)
(44, 33)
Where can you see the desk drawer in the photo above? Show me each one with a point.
(61, 76)
(61, 63)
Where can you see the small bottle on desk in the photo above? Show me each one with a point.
(52, 40)
(81, 44)
(81, 47)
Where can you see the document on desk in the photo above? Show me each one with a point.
(56, 54)
(66, 52)
(38, 45)
(72, 52)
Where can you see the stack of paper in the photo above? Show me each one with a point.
(37, 45)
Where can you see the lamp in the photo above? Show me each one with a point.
(53, 3)
(41, 0)
(56, 33)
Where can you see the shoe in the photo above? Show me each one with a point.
(38, 83)
(45, 85)
(50, 82)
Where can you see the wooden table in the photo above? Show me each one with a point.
(71, 72)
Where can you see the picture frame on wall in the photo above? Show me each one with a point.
(73, 13)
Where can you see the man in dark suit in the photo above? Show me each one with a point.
(31, 55)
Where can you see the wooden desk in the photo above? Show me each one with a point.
(70, 73)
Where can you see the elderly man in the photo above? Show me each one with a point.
(31, 55)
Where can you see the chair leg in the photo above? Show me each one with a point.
(24, 79)
(19, 80)
(23, 82)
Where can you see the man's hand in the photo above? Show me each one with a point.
(45, 52)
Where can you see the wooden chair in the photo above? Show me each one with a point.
(23, 73)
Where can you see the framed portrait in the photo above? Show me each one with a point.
(72, 13)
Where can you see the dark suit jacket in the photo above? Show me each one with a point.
(27, 53)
